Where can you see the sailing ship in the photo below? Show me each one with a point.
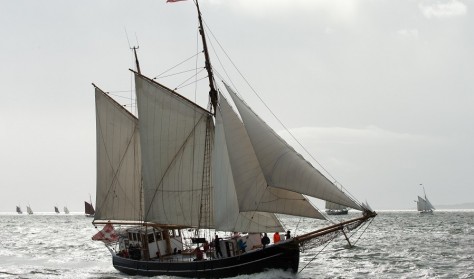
(178, 169)
(56, 209)
(28, 209)
(18, 210)
(89, 209)
(336, 209)
(423, 205)
(66, 211)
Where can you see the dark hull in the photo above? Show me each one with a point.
(283, 256)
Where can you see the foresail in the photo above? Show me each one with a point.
(227, 215)
(428, 204)
(251, 189)
(118, 194)
(175, 134)
(282, 166)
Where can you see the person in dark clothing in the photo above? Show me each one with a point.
(288, 235)
(217, 247)
(265, 240)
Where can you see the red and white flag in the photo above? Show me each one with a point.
(107, 234)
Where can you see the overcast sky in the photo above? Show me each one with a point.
(380, 92)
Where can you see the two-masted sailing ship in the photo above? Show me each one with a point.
(423, 205)
(178, 169)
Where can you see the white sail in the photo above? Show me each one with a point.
(424, 204)
(227, 215)
(251, 189)
(282, 166)
(428, 203)
(66, 210)
(173, 134)
(118, 194)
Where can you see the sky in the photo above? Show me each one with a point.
(380, 93)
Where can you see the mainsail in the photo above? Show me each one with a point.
(175, 137)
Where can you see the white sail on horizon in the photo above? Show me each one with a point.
(424, 204)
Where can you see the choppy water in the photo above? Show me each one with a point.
(396, 245)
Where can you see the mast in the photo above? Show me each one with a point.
(210, 75)
(136, 60)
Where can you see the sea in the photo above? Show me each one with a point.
(396, 244)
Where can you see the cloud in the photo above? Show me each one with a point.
(442, 9)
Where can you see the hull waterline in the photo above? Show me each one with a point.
(283, 256)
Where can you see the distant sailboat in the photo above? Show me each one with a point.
(18, 210)
(28, 209)
(66, 210)
(423, 205)
(89, 209)
(336, 209)
(56, 209)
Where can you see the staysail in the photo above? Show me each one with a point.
(252, 191)
(118, 194)
(282, 166)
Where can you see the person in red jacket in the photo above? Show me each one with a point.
(276, 237)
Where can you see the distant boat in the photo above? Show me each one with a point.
(423, 205)
(335, 209)
(89, 209)
(56, 209)
(66, 210)
(28, 209)
(18, 210)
